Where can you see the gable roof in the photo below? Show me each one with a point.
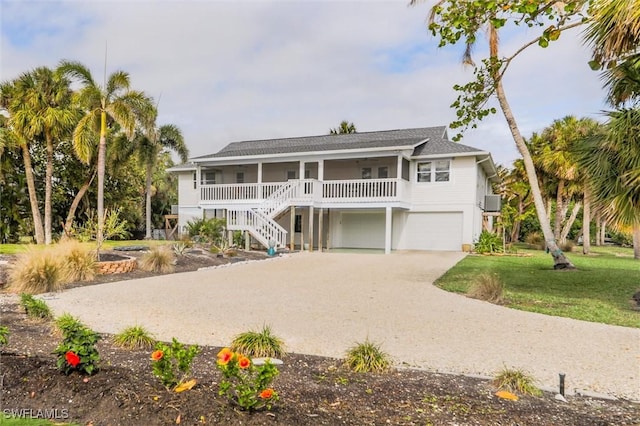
(424, 141)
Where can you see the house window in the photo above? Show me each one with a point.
(383, 172)
(366, 173)
(240, 177)
(195, 180)
(291, 174)
(208, 177)
(434, 171)
(298, 223)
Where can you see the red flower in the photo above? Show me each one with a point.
(224, 356)
(266, 394)
(244, 362)
(157, 355)
(72, 359)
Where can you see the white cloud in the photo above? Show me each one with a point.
(229, 71)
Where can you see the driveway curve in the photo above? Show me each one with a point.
(323, 303)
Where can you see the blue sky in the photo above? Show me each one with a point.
(235, 70)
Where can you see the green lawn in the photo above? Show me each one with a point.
(107, 245)
(599, 290)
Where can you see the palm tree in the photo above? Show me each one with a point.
(113, 102)
(150, 145)
(12, 135)
(344, 127)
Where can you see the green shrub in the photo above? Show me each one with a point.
(238, 238)
(367, 357)
(535, 240)
(487, 287)
(135, 337)
(516, 381)
(4, 335)
(259, 344)
(209, 231)
(488, 242)
(158, 259)
(34, 308)
(179, 248)
(77, 351)
(172, 364)
(114, 227)
(65, 322)
(37, 271)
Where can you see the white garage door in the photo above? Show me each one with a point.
(363, 230)
(434, 231)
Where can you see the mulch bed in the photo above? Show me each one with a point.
(313, 390)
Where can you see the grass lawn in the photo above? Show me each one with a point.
(107, 245)
(599, 290)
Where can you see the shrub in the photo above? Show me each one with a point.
(246, 383)
(37, 271)
(34, 308)
(172, 364)
(259, 344)
(488, 242)
(238, 238)
(135, 337)
(79, 262)
(516, 381)
(65, 322)
(78, 351)
(367, 357)
(567, 247)
(158, 259)
(487, 287)
(4, 335)
(535, 240)
(179, 248)
(208, 230)
(113, 227)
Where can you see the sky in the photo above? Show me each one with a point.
(226, 71)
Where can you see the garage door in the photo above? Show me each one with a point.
(363, 230)
(434, 231)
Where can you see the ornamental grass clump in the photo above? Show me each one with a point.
(172, 363)
(79, 261)
(244, 383)
(259, 344)
(367, 357)
(158, 259)
(34, 308)
(487, 287)
(37, 271)
(134, 337)
(77, 351)
(513, 380)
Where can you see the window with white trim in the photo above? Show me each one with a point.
(208, 177)
(434, 171)
(366, 173)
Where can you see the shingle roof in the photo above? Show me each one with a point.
(436, 136)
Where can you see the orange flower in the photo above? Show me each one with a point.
(72, 358)
(224, 356)
(244, 362)
(266, 394)
(157, 355)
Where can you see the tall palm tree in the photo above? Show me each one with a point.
(150, 145)
(12, 135)
(102, 105)
(344, 127)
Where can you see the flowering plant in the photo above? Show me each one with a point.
(246, 383)
(172, 364)
(78, 351)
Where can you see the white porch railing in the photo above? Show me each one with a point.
(359, 190)
(263, 228)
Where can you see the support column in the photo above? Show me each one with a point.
(310, 228)
(259, 171)
(301, 171)
(292, 229)
(320, 170)
(387, 230)
(320, 234)
(247, 240)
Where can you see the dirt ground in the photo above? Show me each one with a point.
(313, 390)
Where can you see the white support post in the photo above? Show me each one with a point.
(320, 223)
(301, 172)
(387, 230)
(259, 171)
(310, 228)
(320, 170)
(247, 240)
(292, 229)
(399, 168)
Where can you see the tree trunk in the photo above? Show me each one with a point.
(147, 190)
(549, 202)
(74, 205)
(636, 240)
(559, 259)
(47, 189)
(603, 231)
(557, 226)
(586, 222)
(102, 150)
(33, 197)
(598, 225)
(567, 226)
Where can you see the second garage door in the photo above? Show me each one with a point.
(363, 230)
(433, 231)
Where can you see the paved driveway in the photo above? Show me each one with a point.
(322, 303)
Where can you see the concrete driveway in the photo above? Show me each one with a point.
(322, 303)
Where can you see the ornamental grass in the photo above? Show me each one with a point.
(258, 344)
(367, 357)
(134, 337)
(487, 287)
(158, 259)
(514, 380)
(37, 271)
(79, 261)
